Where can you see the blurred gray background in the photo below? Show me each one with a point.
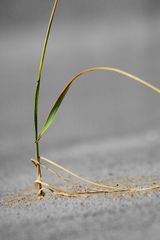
(107, 127)
(120, 33)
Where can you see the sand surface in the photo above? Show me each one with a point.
(132, 161)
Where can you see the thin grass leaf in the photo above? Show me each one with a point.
(56, 105)
(37, 88)
(53, 112)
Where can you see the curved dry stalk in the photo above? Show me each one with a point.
(108, 188)
(101, 187)
(59, 190)
(64, 192)
(73, 184)
(56, 105)
(124, 73)
(86, 190)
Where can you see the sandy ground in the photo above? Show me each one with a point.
(111, 216)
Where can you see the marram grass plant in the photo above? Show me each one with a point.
(90, 187)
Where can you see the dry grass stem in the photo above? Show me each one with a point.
(52, 115)
(87, 189)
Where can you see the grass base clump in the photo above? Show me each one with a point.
(85, 187)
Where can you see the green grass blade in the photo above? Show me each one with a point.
(53, 112)
(37, 88)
